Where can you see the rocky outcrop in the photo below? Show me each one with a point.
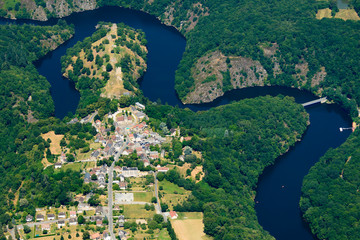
(56, 8)
(215, 74)
(270, 50)
(193, 15)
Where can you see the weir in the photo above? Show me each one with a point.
(320, 100)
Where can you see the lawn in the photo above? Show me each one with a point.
(163, 235)
(143, 196)
(169, 187)
(189, 215)
(76, 166)
(136, 211)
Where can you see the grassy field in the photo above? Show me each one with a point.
(76, 166)
(55, 141)
(171, 188)
(172, 194)
(345, 14)
(138, 184)
(163, 235)
(189, 226)
(143, 196)
(137, 211)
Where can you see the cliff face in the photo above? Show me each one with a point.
(56, 8)
(215, 74)
(186, 23)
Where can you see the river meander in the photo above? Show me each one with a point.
(279, 188)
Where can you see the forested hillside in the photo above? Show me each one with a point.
(25, 108)
(317, 55)
(259, 43)
(237, 141)
(330, 193)
(107, 64)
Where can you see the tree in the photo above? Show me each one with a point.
(70, 157)
(109, 67)
(153, 200)
(164, 207)
(27, 229)
(94, 200)
(94, 177)
(81, 219)
(86, 235)
(152, 224)
(160, 176)
(158, 218)
(63, 142)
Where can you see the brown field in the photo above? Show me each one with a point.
(17, 193)
(323, 13)
(55, 141)
(345, 14)
(190, 227)
(198, 169)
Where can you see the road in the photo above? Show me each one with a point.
(110, 192)
(157, 205)
(110, 201)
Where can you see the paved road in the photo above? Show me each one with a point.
(157, 205)
(110, 191)
(86, 160)
(110, 201)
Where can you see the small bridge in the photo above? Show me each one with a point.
(320, 100)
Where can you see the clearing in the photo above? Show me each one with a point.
(55, 141)
(345, 14)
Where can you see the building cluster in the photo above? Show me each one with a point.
(131, 134)
(61, 218)
(100, 173)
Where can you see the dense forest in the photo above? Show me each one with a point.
(330, 193)
(237, 141)
(25, 113)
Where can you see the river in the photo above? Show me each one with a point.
(279, 187)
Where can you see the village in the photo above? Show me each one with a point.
(125, 200)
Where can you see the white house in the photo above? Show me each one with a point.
(61, 223)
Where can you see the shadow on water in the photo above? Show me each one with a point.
(279, 187)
